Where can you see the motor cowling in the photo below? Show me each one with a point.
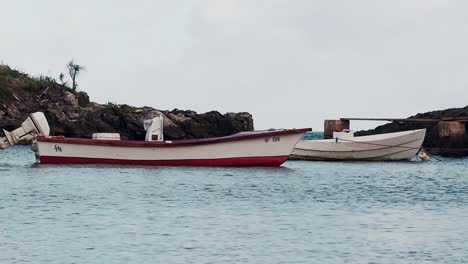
(154, 127)
(35, 125)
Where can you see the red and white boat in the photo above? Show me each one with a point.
(259, 148)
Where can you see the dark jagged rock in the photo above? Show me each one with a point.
(71, 114)
(452, 145)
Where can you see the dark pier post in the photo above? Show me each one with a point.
(451, 129)
(331, 126)
(451, 135)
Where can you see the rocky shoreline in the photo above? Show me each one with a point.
(72, 114)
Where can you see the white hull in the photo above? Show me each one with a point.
(268, 148)
(391, 146)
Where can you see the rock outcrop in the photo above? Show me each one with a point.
(72, 114)
(441, 137)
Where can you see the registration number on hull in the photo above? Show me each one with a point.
(272, 139)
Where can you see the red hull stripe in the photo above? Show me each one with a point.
(226, 162)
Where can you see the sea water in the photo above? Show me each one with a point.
(303, 212)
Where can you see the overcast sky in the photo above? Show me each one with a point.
(291, 63)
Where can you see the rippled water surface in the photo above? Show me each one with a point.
(304, 212)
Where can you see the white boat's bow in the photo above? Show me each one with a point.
(390, 146)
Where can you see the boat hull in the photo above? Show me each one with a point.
(268, 148)
(384, 147)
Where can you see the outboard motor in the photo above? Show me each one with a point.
(154, 127)
(35, 125)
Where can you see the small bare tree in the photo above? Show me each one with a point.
(74, 70)
(62, 79)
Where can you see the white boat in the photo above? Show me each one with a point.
(345, 146)
(259, 148)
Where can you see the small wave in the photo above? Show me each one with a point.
(5, 165)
